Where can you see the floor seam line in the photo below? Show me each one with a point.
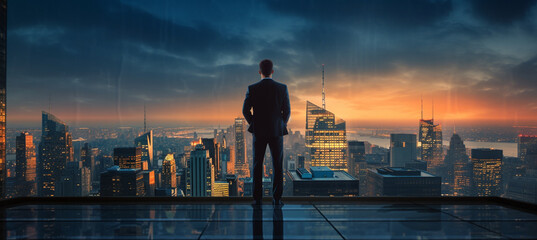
(334, 227)
(467, 221)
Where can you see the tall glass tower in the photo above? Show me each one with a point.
(430, 137)
(326, 138)
(241, 159)
(145, 142)
(55, 150)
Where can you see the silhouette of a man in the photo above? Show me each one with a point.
(269, 101)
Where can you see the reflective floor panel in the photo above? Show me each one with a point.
(293, 221)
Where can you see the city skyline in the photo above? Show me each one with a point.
(477, 65)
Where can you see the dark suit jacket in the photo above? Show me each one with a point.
(271, 108)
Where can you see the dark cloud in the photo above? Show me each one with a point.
(108, 54)
(381, 13)
(502, 11)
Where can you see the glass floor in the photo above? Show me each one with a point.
(313, 220)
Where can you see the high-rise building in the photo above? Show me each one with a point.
(527, 150)
(220, 189)
(326, 138)
(55, 151)
(128, 157)
(87, 158)
(169, 180)
(231, 179)
(458, 169)
(213, 147)
(145, 142)
(200, 173)
(122, 182)
(323, 181)
(3, 38)
(430, 139)
(149, 182)
(241, 158)
(25, 165)
(75, 180)
(356, 158)
(402, 149)
(393, 181)
(487, 172)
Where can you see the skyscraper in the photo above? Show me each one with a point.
(430, 138)
(88, 159)
(402, 182)
(200, 173)
(241, 159)
(527, 150)
(3, 38)
(326, 138)
(458, 171)
(214, 153)
(128, 157)
(145, 142)
(356, 157)
(55, 150)
(169, 180)
(402, 149)
(75, 180)
(122, 182)
(25, 167)
(487, 168)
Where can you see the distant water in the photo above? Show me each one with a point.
(509, 149)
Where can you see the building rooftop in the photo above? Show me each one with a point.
(300, 218)
(338, 176)
(401, 172)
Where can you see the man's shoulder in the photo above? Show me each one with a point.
(281, 85)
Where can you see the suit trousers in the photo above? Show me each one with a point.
(276, 150)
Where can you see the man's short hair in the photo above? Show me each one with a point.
(265, 67)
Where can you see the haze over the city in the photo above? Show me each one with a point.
(96, 63)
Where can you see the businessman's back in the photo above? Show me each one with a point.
(269, 101)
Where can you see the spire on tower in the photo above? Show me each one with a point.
(324, 103)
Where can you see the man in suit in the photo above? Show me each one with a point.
(269, 101)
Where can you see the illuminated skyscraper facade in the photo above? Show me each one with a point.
(145, 142)
(122, 182)
(128, 157)
(241, 158)
(169, 179)
(55, 150)
(3, 38)
(326, 138)
(487, 171)
(430, 139)
(25, 167)
(200, 176)
(458, 171)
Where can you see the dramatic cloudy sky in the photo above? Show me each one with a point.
(190, 62)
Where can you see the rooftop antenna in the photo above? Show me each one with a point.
(324, 103)
(145, 123)
(422, 107)
(49, 101)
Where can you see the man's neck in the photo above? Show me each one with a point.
(263, 77)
